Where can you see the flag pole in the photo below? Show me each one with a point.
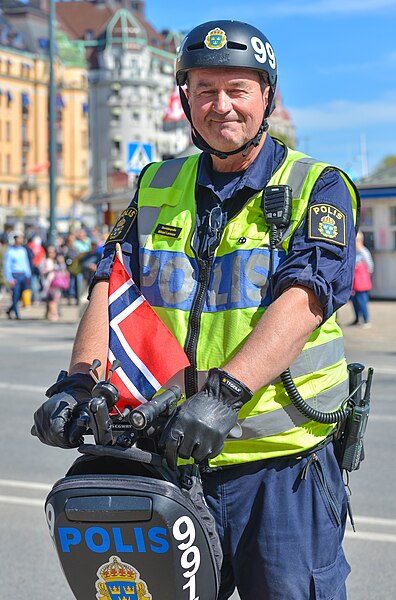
(119, 253)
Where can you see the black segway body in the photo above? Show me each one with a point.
(124, 532)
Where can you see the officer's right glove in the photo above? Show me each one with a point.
(53, 419)
(203, 421)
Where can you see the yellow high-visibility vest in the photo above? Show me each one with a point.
(212, 311)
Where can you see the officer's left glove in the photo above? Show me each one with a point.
(204, 420)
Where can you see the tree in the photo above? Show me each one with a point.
(388, 161)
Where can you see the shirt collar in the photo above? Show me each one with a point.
(256, 175)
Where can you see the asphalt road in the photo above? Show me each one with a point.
(31, 354)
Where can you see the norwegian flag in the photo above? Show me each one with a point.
(149, 354)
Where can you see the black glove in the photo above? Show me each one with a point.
(53, 419)
(204, 420)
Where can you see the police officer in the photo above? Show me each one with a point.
(246, 301)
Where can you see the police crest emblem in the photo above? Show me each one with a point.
(216, 39)
(328, 227)
(327, 222)
(120, 581)
(123, 225)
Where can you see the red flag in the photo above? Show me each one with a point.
(175, 111)
(149, 354)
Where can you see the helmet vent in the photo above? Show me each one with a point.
(197, 46)
(236, 46)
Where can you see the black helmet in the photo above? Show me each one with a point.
(227, 44)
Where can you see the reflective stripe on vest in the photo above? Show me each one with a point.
(298, 174)
(285, 418)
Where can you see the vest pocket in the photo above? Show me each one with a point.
(329, 580)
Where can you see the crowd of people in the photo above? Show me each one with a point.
(35, 272)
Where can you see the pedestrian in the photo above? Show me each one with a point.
(17, 272)
(36, 254)
(247, 250)
(362, 282)
(3, 249)
(56, 281)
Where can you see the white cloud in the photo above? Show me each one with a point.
(343, 114)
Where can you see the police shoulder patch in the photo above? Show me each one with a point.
(123, 225)
(326, 222)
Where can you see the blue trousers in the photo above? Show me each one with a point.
(20, 285)
(360, 302)
(281, 523)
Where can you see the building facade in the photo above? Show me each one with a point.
(378, 224)
(131, 78)
(24, 124)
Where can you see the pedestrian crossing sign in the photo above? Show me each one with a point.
(139, 155)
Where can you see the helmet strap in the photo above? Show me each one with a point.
(201, 143)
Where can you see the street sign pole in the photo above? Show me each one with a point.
(52, 116)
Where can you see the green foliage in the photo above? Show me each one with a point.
(388, 161)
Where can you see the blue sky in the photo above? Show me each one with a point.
(336, 68)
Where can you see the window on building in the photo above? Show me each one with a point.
(9, 66)
(18, 40)
(366, 216)
(25, 104)
(4, 32)
(9, 98)
(8, 131)
(59, 165)
(84, 139)
(9, 197)
(392, 223)
(369, 239)
(8, 164)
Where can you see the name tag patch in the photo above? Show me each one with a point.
(325, 222)
(168, 230)
(123, 225)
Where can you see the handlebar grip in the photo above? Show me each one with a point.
(146, 414)
(78, 427)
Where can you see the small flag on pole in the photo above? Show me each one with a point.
(149, 353)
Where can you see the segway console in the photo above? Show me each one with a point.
(124, 525)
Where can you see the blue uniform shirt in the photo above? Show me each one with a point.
(320, 264)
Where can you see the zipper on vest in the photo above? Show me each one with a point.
(194, 324)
